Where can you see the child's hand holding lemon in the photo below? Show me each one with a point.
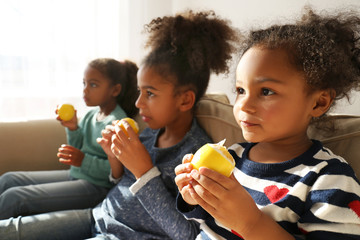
(131, 122)
(66, 113)
(215, 157)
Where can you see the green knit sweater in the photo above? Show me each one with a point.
(95, 166)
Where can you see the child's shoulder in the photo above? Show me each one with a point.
(333, 163)
(239, 148)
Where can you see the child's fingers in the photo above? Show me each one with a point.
(64, 150)
(183, 168)
(110, 128)
(186, 194)
(221, 180)
(130, 131)
(187, 158)
(64, 155)
(115, 150)
(182, 179)
(211, 188)
(116, 143)
(120, 133)
(201, 196)
(65, 161)
(106, 133)
(102, 141)
(68, 147)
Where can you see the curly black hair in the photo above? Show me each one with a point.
(326, 48)
(124, 73)
(189, 46)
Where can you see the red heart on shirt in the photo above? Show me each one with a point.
(274, 194)
(236, 234)
(355, 206)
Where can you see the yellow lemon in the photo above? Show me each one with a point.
(66, 112)
(215, 157)
(130, 121)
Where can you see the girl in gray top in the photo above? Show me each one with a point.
(185, 49)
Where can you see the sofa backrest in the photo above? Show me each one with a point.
(215, 115)
(33, 145)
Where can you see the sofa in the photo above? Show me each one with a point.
(32, 145)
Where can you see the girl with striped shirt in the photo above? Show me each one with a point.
(285, 185)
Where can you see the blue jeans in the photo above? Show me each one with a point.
(28, 193)
(67, 225)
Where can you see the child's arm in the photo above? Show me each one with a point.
(230, 204)
(130, 151)
(117, 169)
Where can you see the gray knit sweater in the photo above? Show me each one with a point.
(145, 209)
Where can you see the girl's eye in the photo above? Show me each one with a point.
(93, 85)
(149, 93)
(240, 91)
(267, 92)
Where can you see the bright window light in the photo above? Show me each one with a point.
(45, 46)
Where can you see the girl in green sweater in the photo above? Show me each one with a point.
(112, 86)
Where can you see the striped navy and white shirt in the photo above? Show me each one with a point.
(313, 196)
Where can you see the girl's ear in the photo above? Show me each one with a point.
(116, 90)
(187, 100)
(323, 102)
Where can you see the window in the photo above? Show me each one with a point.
(45, 46)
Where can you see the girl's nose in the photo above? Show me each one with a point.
(139, 102)
(85, 88)
(246, 104)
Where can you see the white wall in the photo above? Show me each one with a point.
(243, 14)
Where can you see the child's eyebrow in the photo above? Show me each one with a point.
(148, 87)
(92, 80)
(264, 79)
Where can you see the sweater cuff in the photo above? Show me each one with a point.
(112, 179)
(144, 179)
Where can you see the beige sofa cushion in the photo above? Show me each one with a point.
(344, 140)
(31, 145)
(215, 115)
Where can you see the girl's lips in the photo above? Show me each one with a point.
(145, 118)
(248, 124)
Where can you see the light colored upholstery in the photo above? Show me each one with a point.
(33, 145)
(344, 140)
(214, 113)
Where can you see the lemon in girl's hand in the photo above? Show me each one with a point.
(66, 112)
(215, 157)
(131, 122)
